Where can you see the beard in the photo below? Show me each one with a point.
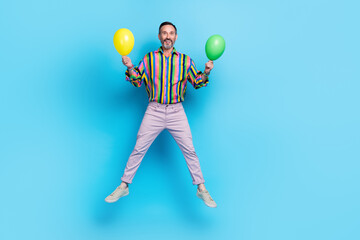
(169, 45)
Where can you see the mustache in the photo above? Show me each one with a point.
(168, 40)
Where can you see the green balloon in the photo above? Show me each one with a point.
(215, 47)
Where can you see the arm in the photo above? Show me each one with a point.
(197, 78)
(133, 73)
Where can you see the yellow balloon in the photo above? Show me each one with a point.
(124, 41)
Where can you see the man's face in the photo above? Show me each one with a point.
(167, 36)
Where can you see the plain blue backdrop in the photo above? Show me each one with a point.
(276, 130)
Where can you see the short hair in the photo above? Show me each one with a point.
(167, 23)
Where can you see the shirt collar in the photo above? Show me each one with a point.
(161, 50)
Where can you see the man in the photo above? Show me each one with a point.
(165, 73)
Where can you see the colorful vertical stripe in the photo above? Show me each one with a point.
(165, 78)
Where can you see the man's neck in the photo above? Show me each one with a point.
(167, 52)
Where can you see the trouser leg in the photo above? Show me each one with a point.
(151, 126)
(178, 126)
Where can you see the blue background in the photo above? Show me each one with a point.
(276, 130)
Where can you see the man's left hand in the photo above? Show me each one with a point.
(208, 66)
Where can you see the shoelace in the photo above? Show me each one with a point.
(207, 195)
(112, 194)
(211, 200)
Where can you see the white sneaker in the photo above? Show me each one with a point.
(205, 196)
(118, 193)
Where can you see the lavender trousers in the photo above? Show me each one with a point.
(157, 118)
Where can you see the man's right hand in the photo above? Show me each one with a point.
(127, 61)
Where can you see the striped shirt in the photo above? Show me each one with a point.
(166, 77)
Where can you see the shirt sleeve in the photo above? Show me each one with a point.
(195, 77)
(136, 78)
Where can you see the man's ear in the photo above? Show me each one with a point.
(159, 36)
(176, 37)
